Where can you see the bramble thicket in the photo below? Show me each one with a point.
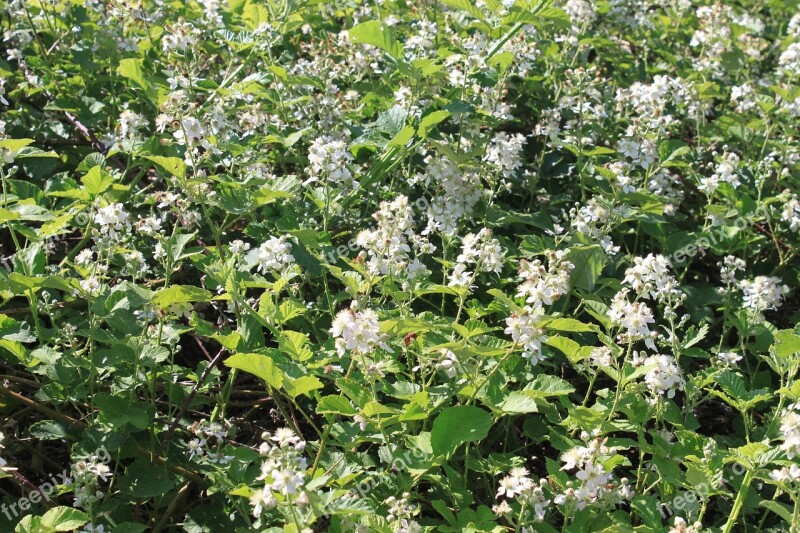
(435, 266)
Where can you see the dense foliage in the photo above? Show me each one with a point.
(399, 266)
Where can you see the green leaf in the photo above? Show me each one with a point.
(787, 343)
(402, 137)
(648, 510)
(587, 419)
(467, 6)
(429, 121)
(375, 33)
(589, 262)
(64, 518)
(568, 347)
(457, 425)
(503, 297)
(116, 411)
(301, 385)
(8, 216)
(173, 165)
(335, 404)
(519, 402)
(144, 479)
(48, 430)
(733, 385)
(131, 68)
(259, 365)
(255, 15)
(97, 181)
(15, 145)
(392, 120)
(780, 509)
(294, 343)
(545, 385)
(568, 324)
(178, 294)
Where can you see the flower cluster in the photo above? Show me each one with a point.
(634, 317)
(542, 286)
(357, 331)
(521, 488)
(762, 293)
(86, 477)
(330, 160)
(651, 276)
(389, 246)
(480, 250)
(401, 513)
(595, 486)
(114, 222)
(283, 471)
(790, 428)
(664, 376)
(526, 331)
(274, 255)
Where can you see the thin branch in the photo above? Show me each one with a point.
(185, 406)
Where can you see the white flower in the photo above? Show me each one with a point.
(287, 481)
(329, 159)
(762, 293)
(525, 330)
(196, 447)
(790, 428)
(460, 276)
(130, 122)
(159, 252)
(91, 286)
(728, 358)
(274, 255)
(481, 250)
(728, 268)
(504, 152)
(262, 499)
(149, 226)
(191, 131)
(113, 220)
(541, 286)
(650, 276)
(449, 363)
(515, 483)
(238, 247)
(633, 317)
(789, 60)
(786, 475)
(357, 331)
(681, 526)
(726, 171)
(389, 246)
(85, 257)
(791, 210)
(665, 377)
(285, 437)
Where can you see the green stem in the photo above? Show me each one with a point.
(739, 502)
